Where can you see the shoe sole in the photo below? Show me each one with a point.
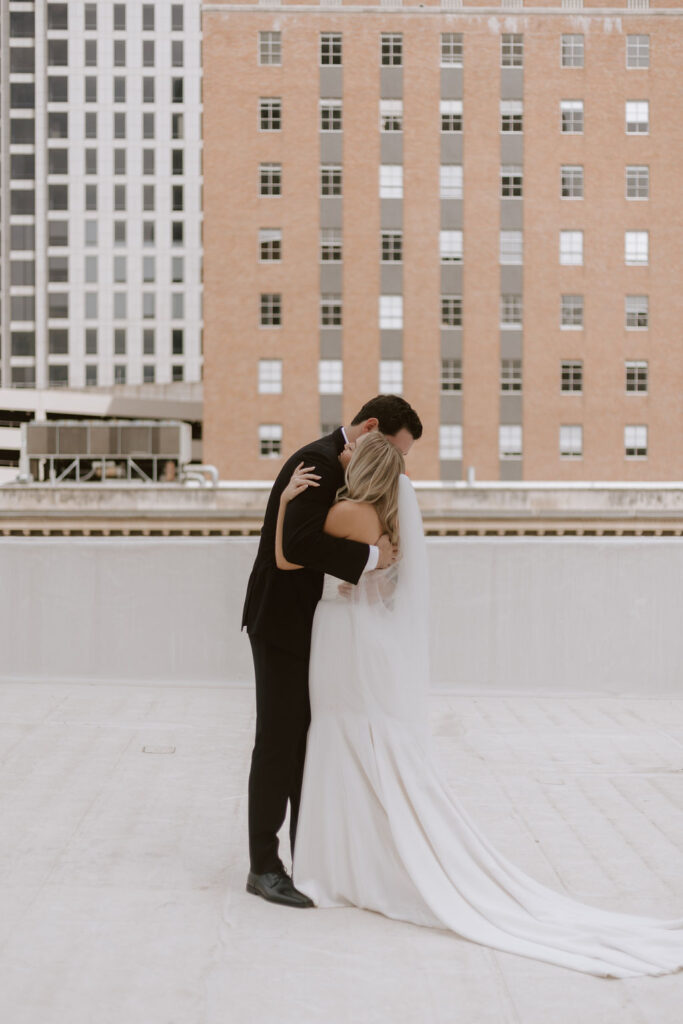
(283, 903)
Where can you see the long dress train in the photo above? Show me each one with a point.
(378, 827)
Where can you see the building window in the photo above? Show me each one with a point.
(391, 376)
(90, 53)
(177, 90)
(23, 343)
(391, 115)
(451, 310)
(270, 179)
(57, 53)
(572, 51)
(270, 377)
(91, 375)
(390, 312)
(451, 50)
(22, 60)
(270, 48)
(450, 246)
(391, 181)
(148, 341)
(120, 53)
(177, 372)
(119, 89)
(57, 343)
(450, 441)
(177, 232)
(330, 115)
(330, 48)
(451, 375)
(637, 117)
(270, 244)
(90, 18)
(90, 89)
(270, 440)
(571, 375)
(637, 312)
(148, 374)
(119, 197)
(511, 181)
(120, 341)
(636, 248)
(148, 54)
(57, 197)
(177, 341)
(91, 341)
(57, 17)
(120, 305)
(22, 95)
(571, 441)
(57, 89)
(177, 269)
(571, 116)
(571, 184)
(511, 50)
(510, 375)
(148, 17)
(330, 311)
(330, 377)
(391, 49)
(21, 24)
(330, 245)
(636, 376)
(391, 248)
(148, 161)
(178, 305)
(635, 441)
(90, 155)
(450, 181)
(90, 127)
(119, 17)
(23, 165)
(512, 115)
(451, 115)
(148, 305)
(177, 53)
(511, 247)
(120, 269)
(271, 309)
(331, 180)
(57, 233)
(57, 269)
(177, 126)
(119, 373)
(571, 311)
(270, 114)
(177, 161)
(571, 248)
(511, 311)
(149, 269)
(509, 441)
(148, 89)
(120, 125)
(637, 51)
(638, 181)
(58, 376)
(177, 17)
(23, 308)
(57, 305)
(23, 131)
(119, 161)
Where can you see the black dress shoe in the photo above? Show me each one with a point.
(277, 887)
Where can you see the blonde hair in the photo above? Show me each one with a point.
(372, 476)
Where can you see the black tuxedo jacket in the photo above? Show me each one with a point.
(280, 603)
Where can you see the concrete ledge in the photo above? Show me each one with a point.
(565, 615)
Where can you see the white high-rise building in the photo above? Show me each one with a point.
(100, 193)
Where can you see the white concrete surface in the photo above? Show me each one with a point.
(122, 869)
(569, 614)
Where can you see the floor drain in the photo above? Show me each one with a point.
(158, 750)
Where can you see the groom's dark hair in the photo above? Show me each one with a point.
(393, 414)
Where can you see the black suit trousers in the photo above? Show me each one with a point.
(283, 714)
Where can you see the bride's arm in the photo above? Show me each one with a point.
(301, 479)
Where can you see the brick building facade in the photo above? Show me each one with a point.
(477, 207)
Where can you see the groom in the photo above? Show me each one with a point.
(278, 614)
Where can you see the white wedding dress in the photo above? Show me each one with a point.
(377, 826)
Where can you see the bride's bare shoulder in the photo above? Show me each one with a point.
(355, 520)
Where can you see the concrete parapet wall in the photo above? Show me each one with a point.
(588, 615)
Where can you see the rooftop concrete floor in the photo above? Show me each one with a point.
(122, 866)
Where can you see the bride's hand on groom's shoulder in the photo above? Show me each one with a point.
(301, 478)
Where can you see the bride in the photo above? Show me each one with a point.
(377, 826)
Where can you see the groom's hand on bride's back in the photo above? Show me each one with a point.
(388, 552)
